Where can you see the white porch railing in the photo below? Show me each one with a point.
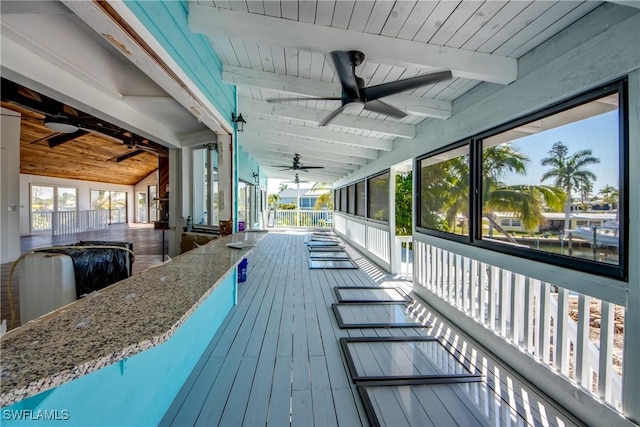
(404, 246)
(575, 334)
(69, 222)
(371, 237)
(300, 218)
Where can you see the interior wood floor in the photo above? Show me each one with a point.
(276, 359)
(147, 246)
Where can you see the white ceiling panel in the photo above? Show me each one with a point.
(273, 50)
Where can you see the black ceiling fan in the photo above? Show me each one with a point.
(356, 97)
(297, 180)
(297, 165)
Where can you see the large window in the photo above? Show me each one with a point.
(307, 202)
(360, 199)
(141, 207)
(550, 186)
(343, 199)
(351, 199)
(444, 183)
(378, 197)
(153, 203)
(554, 173)
(113, 201)
(47, 199)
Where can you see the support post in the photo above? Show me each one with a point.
(225, 184)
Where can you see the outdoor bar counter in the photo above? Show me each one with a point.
(181, 302)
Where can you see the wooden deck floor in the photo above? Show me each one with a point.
(276, 359)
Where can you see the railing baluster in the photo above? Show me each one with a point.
(440, 273)
(582, 371)
(482, 291)
(434, 266)
(515, 310)
(544, 319)
(529, 298)
(562, 334)
(605, 369)
(474, 283)
(493, 285)
(453, 281)
(502, 301)
(465, 285)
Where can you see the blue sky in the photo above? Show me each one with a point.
(598, 133)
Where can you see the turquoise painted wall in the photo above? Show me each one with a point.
(136, 391)
(167, 21)
(246, 165)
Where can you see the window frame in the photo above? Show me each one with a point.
(361, 201)
(368, 198)
(418, 196)
(620, 271)
(343, 200)
(351, 199)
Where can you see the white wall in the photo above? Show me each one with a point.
(84, 195)
(9, 186)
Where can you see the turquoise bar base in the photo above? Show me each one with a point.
(136, 391)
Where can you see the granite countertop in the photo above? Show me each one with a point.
(116, 322)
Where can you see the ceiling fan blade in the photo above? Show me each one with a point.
(310, 167)
(391, 88)
(304, 98)
(380, 107)
(332, 115)
(345, 69)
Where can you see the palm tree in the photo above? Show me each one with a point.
(445, 188)
(528, 201)
(568, 172)
(325, 199)
(610, 195)
(404, 203)
(273, 199)
(586, 188)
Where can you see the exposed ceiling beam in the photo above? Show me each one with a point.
(206, 136)
(425, 107)
(317, 133)
(119, 25)
(233, 24)
(260, 146)
(293, 143)
(387, 127)
(65, 137)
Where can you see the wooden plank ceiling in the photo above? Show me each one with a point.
(278, 49)
(86, 155)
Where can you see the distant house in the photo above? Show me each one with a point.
(554, 221)
(307, 196)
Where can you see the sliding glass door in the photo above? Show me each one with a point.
(46, 200)
(113, 201)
